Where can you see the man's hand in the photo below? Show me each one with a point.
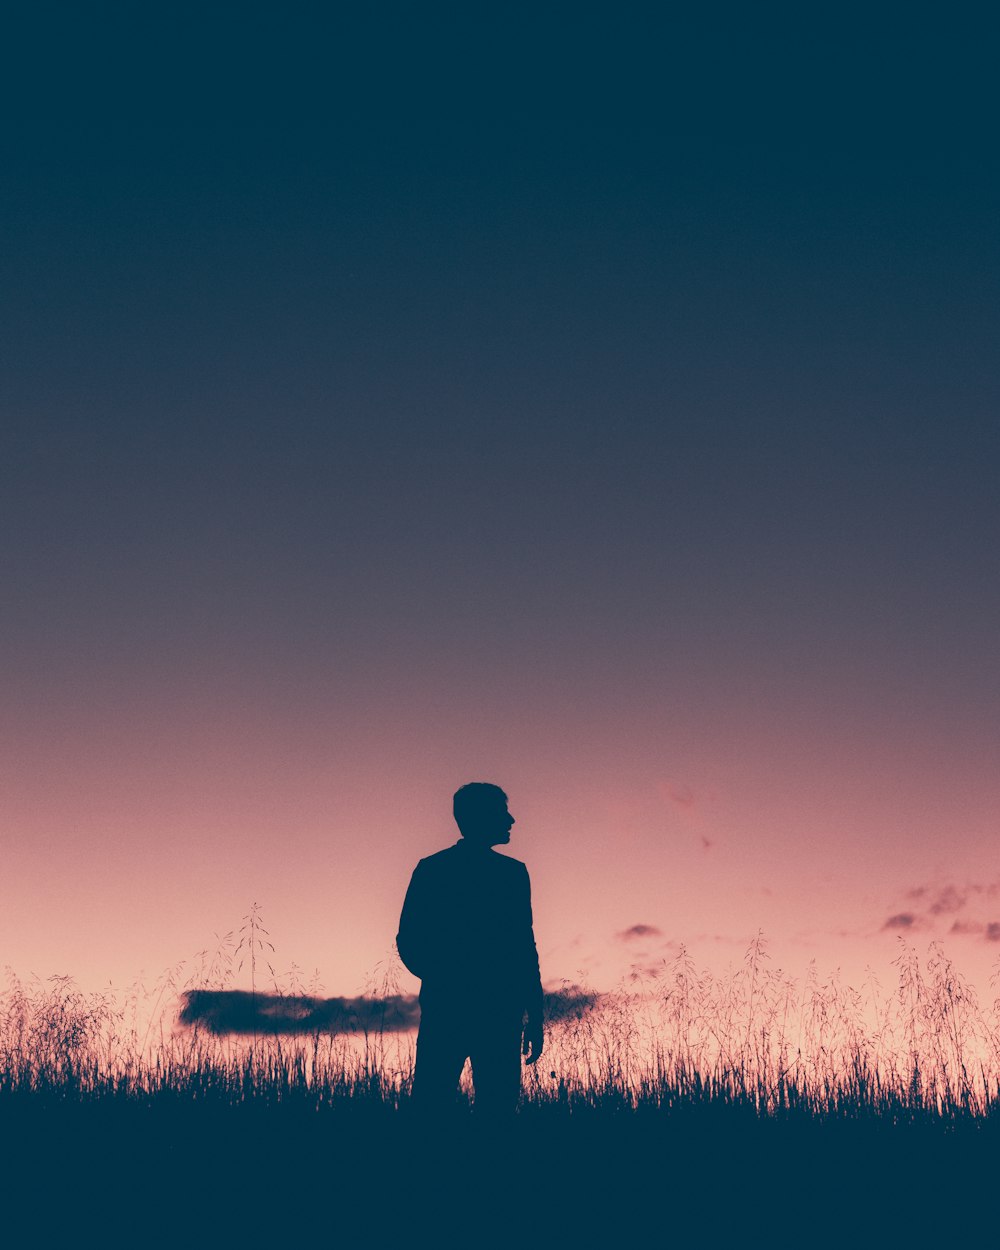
(531, 1046)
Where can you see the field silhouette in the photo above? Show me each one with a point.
(680, 1103)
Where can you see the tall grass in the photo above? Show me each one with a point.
(664, 1041)
(757, 1038)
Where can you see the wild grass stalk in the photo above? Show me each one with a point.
(672, 1039)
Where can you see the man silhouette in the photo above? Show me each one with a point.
(466, 932)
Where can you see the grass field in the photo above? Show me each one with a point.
(681, 1104)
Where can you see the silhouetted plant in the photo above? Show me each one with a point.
(667, 1039)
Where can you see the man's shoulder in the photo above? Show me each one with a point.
(439, 859)
(457, 854)
(516, 865)
(439, 862)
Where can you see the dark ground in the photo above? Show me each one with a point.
(166, 1173)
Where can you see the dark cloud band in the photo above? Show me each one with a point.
(241, 1012)
(638, 931)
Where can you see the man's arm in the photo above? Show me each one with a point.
(533, 1031)
(411, 940)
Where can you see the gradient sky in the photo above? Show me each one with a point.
(645, 466)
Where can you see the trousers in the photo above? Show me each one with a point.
(489, 1038)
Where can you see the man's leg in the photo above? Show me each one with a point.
(441, 1053)
(496, 1067)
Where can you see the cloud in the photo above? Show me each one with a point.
(929, 902)
(949, 899)
(646, 972)
(681, 796)
(638, 931)
(966, 926)
(240, 1012)
(725, 938)
(570, 1000)
(903, 920)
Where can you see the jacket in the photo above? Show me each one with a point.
(466, 931)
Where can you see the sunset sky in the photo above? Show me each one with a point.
(646, 466)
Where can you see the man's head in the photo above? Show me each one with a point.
(481, 813)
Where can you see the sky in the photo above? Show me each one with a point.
(636, 453)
